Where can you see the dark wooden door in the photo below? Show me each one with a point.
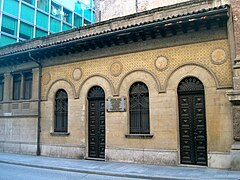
(193, 140)
(96, 123)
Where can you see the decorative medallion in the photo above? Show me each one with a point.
(161, 63)
(218, 56)
(77, 74)
(116, 68)
(46, 78)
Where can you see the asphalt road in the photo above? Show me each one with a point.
(15, 172)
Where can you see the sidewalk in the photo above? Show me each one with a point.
(140, 171)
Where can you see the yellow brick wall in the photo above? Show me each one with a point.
(199, 53)
(163, 106)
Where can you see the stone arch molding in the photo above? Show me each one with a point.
(201, 72)
(96, 80)
(142, 75)
(61, 84)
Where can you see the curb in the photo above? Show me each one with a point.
(106, 173)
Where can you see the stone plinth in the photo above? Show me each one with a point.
(235, 156)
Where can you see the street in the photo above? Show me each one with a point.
(17, 172)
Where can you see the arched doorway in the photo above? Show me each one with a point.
(192, 122)
(96, 122)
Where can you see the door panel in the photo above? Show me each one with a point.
(186, 131)
(96, 124)
(192, 126)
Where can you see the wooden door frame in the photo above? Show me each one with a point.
(178, 118)
(88, 99)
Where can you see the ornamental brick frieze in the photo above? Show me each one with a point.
(160, 62)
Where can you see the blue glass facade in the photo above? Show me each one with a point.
(25, 19)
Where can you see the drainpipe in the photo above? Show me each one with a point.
(39, 102)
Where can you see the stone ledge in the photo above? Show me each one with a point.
(139, 136)
(233, 96)
(59, 133)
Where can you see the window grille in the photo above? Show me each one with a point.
(61, 111)
(139, 109)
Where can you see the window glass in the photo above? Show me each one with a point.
(32, 2)
(5, 40)
(27, 13)
(40, 33)
(11, 7)
(66, 27)
(55, 10)
(1, 87)
(86, 22)
(27, 85)
(42, 20)
(43, 5)
(87, 14)
(55, 25)
(77, 20)
(26, 31)
(74, 5)
(139, 109)
(61, 111)
(78, 8)
(9, 25)
(93, 16)
(92, 4)
(16, 86)
(67, 16)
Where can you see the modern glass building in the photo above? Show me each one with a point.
(25, 19)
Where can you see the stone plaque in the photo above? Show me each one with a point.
(77, 74)
(218, 56)
(161, 63)
(116, 68)
(116, 104)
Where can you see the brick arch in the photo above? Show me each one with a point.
(96, 80)
(139, 75)
(203, 73)
(61, 84)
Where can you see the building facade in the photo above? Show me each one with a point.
(108, 9)
(26, 19)
(156, 87)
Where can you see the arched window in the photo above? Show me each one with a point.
(139, 109)
(61, 111)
